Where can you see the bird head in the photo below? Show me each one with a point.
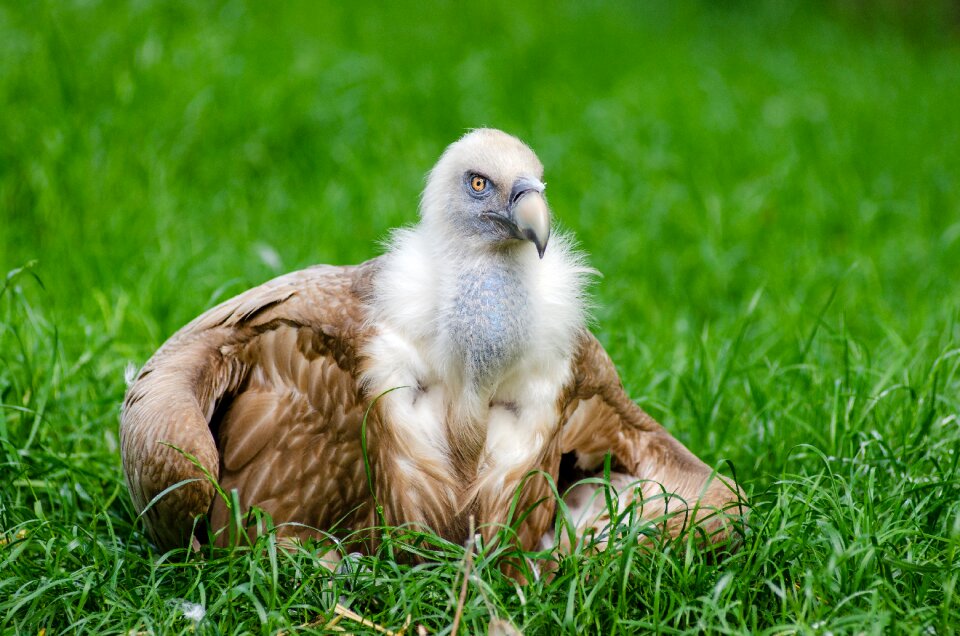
(486, 193)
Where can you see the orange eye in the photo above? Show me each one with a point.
(478, 183)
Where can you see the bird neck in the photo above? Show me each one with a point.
(486, 313)
(472, 314)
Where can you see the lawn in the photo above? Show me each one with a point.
(771, 191)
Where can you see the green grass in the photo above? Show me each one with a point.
(771, 191)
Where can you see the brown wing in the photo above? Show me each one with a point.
(602, 419)
(262, 391)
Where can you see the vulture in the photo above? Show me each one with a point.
(446, 382)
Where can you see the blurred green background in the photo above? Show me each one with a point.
(770, 189)
(699, 151)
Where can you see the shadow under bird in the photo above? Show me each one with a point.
(470, 329)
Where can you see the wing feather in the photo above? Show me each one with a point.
(262, 391)
(601, 419)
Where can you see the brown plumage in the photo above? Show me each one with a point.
(480, 335)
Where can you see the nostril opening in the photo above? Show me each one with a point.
(516, 194)
(523, 186)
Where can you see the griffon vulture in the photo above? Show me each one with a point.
(468, 339)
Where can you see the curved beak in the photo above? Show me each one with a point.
(529, 212)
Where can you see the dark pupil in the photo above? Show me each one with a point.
(477, 184)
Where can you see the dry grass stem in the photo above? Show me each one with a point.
(468, 564)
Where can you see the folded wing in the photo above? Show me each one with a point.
(261, 391)
(677, 489)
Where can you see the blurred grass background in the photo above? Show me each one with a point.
(771, 191)
(699, 152)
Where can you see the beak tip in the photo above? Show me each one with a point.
(540, 244)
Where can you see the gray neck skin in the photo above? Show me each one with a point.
(488, 319)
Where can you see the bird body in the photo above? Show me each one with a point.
(459, 360)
